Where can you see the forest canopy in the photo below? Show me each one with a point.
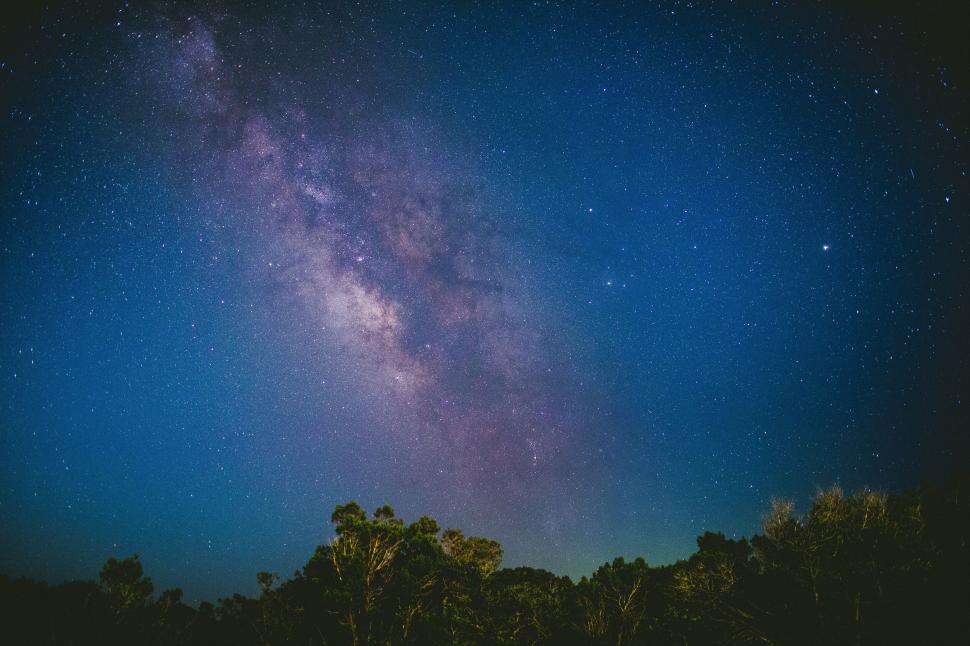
(865, 568)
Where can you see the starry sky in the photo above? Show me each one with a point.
(588, 280)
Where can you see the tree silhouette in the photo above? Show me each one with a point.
(866, 568)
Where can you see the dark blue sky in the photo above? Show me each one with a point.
(586, 280)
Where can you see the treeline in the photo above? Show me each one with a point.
(855, 569)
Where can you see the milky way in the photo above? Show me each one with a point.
(385, 243)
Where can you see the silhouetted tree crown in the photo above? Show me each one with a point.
(866, 568)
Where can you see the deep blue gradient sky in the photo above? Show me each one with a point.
(586, 280)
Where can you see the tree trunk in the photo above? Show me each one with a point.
(858, 617)
(354, 638)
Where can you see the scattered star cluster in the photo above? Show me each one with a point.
(588, 279)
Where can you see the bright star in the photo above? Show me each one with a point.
(825, 247)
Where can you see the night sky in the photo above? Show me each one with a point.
(586, 280)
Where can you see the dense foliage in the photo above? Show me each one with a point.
(855, 569)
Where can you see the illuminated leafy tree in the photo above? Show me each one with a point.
(124, 584)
